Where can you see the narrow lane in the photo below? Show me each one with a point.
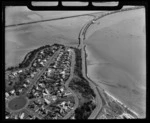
(81, 46)
(83, 31)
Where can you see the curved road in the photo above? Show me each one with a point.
(82, 34)
(82, 37)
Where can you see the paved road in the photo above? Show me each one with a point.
(82, 34)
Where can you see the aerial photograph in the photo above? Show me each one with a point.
(75, 64)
